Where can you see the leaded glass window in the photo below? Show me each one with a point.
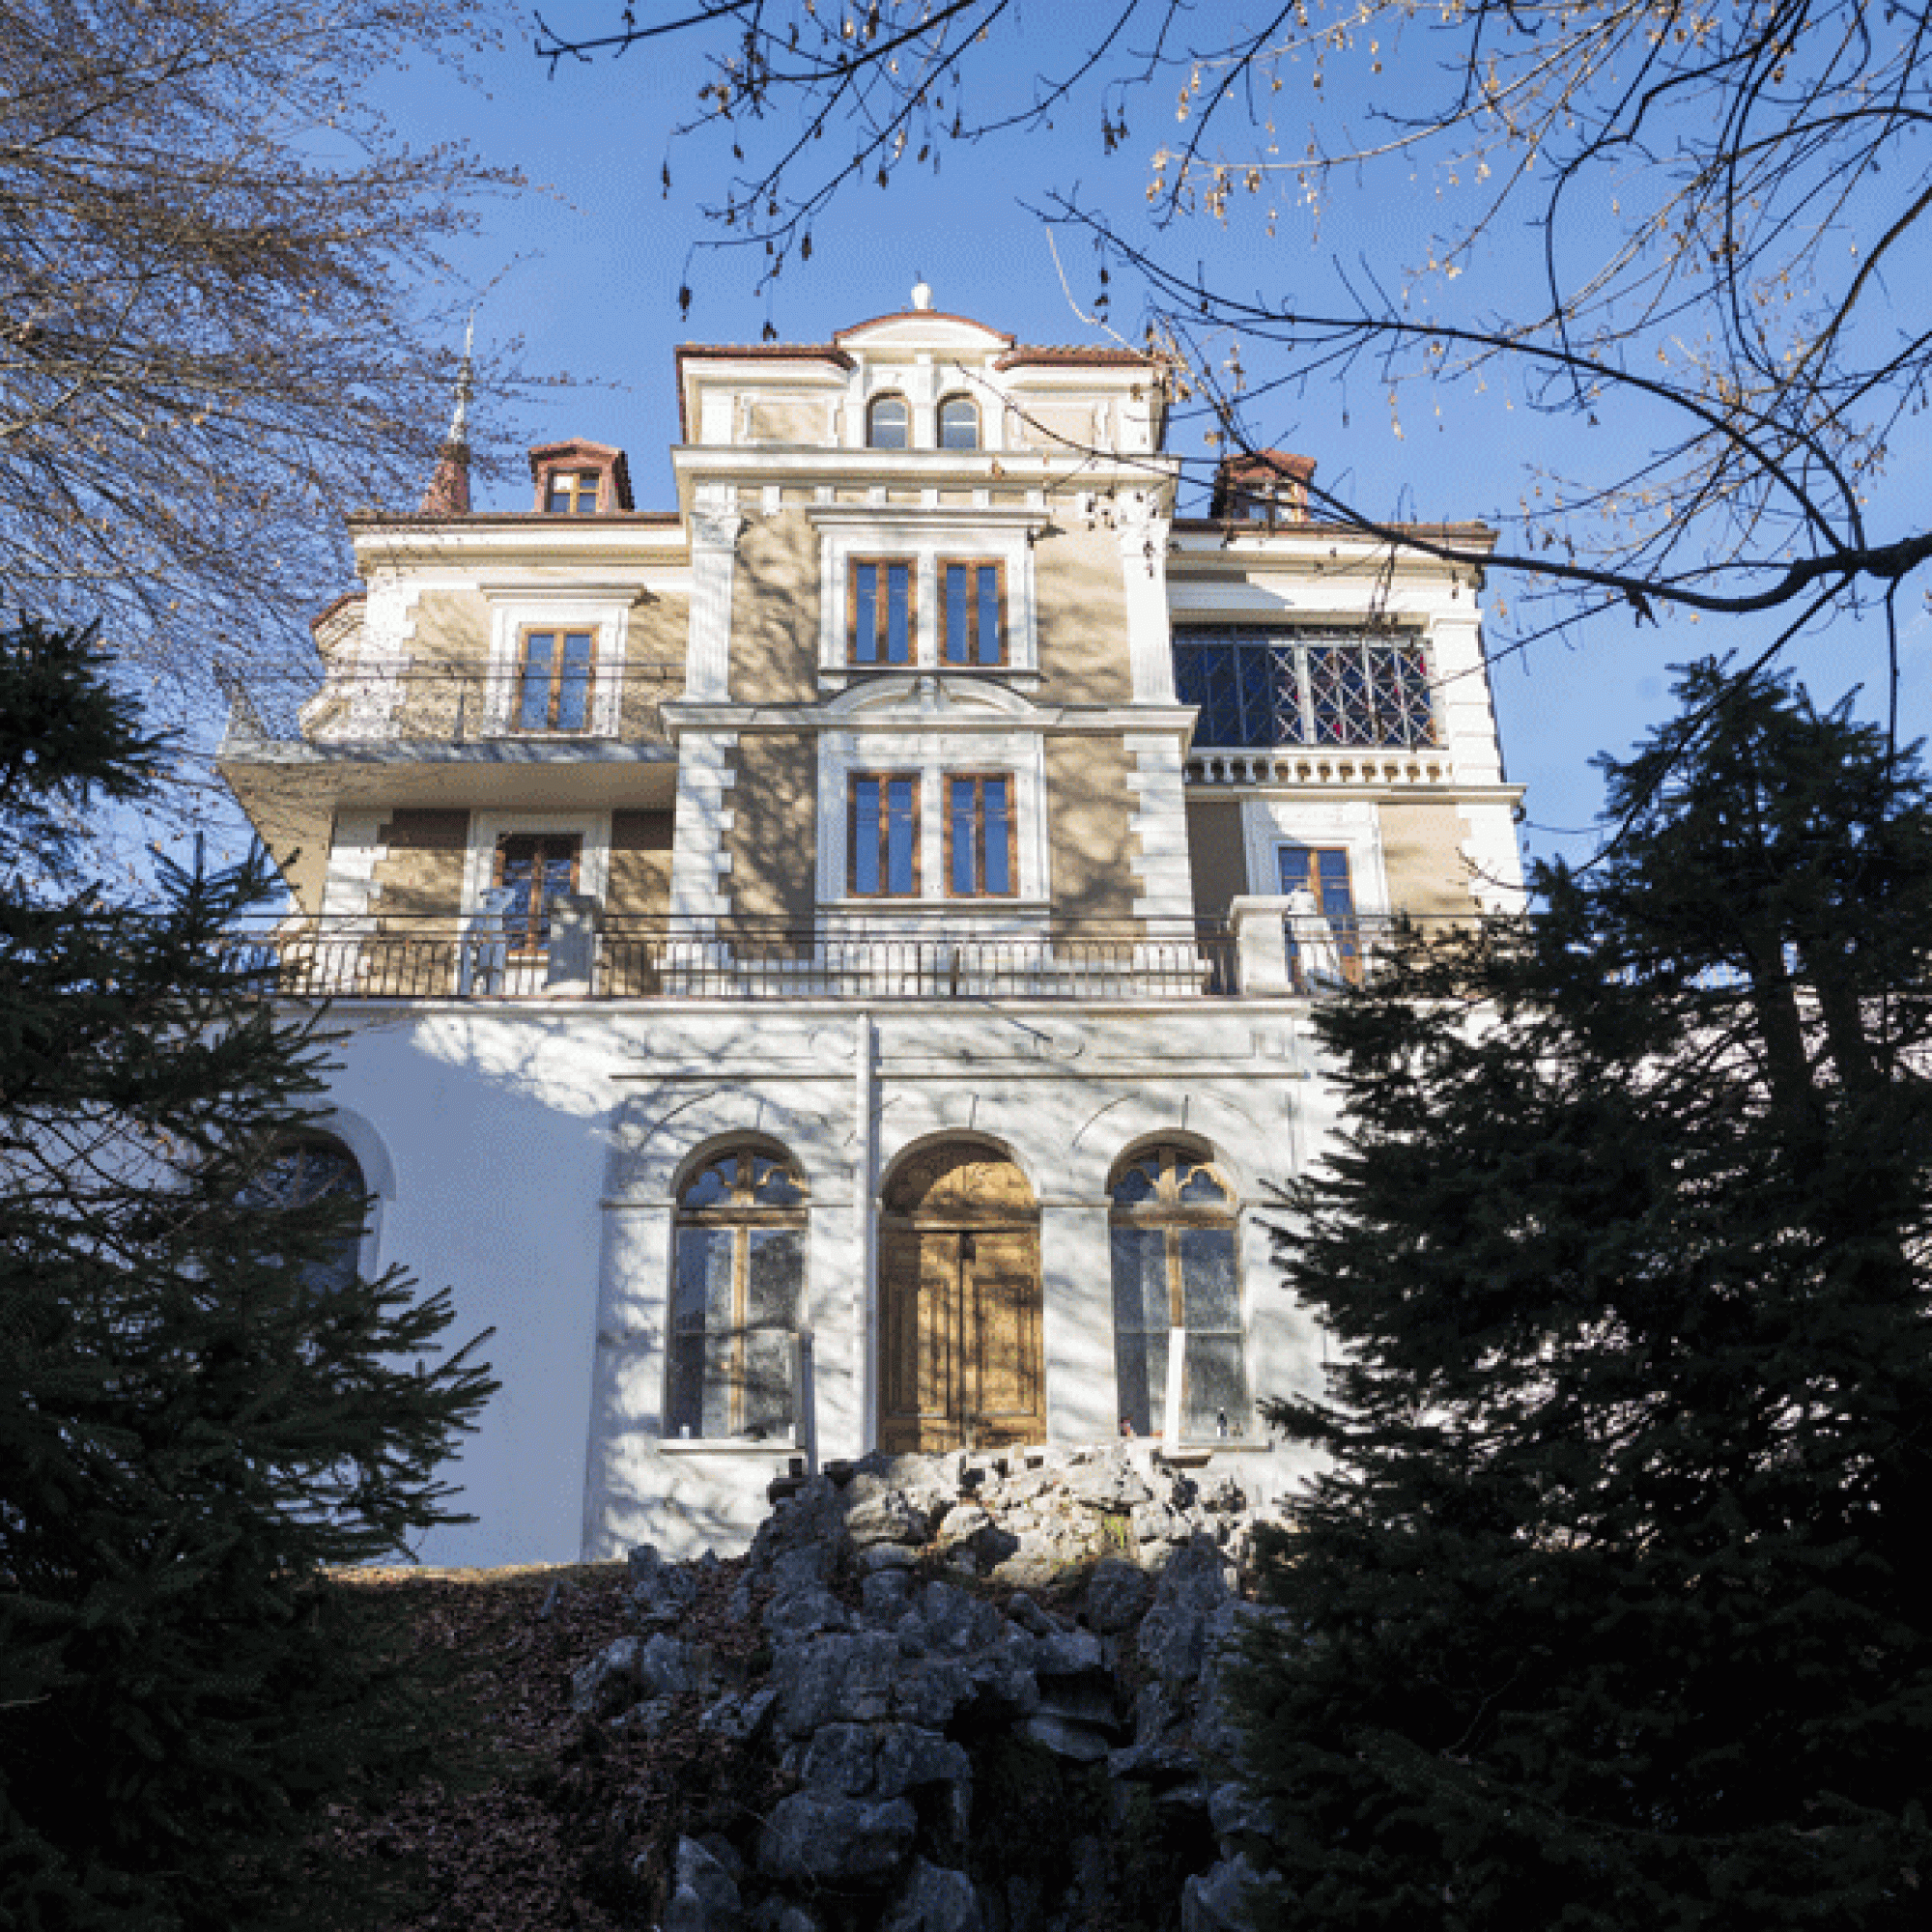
(1177, 1295)
(297, 1171)
(737, 1281)
(1261, 688)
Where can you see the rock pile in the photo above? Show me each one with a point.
(990, 1684)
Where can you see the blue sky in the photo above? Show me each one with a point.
(586, 270)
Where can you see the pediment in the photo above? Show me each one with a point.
(930, 694)
(922, 329)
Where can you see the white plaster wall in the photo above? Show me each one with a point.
(493, 1121)
(535, 1151)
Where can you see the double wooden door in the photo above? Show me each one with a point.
(959, 1299)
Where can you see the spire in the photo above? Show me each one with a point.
(448, 492)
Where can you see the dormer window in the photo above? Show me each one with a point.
(579, 480)
(1267, 486)
(959, 423)
(888, 423)
(571, 493)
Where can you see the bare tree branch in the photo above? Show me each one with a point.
(1728, 207)
(226, 313)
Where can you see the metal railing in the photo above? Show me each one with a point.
(463, 700)
(376, 958)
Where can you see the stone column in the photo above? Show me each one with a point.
(1143, 532)
(1166, 879)
(700, 862)
(714, 556)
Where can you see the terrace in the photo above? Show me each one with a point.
(1266, 949)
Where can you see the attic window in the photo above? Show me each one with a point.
(959, 423)
(888, 423)
(571, 493)
(578, 478)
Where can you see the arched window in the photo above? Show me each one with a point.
(1176, 1296)
(736, 1286)
(888, 423)
(959, 423)
(302, 1169)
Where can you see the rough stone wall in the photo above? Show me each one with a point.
(987, 1700)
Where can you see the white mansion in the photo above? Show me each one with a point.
(828, 966)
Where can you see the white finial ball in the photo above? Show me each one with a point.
(922, 295)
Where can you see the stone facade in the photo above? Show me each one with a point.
(712, 899)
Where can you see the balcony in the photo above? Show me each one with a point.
(468, 702)
(1262, 952)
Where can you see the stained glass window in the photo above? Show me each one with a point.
(737, 1280)
(1257, 689)
(305, 1168)
(1177, 1276)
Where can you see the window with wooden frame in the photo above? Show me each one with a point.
(880, 610)
(737, 1283)
(1176, 1296)
(888, 423)
(1320, 952)
(972, 611)
(571, 493)
(535, 868)
(981, 853)
(555, 675)
(882, 835)
(958, 423)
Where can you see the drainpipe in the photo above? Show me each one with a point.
(865, 1233)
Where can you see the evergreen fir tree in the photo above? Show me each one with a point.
(1603, 1616)
(200, 1409)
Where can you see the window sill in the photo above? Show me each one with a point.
(841, 677)
(866, 907)
(727, 1445)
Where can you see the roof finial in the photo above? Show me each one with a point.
(448, 492)
(922, 295)
(465, 386)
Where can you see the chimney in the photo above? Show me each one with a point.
(448, 492)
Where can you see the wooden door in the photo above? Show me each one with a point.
(959, 1349)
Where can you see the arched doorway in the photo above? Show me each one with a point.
(959, 1351)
